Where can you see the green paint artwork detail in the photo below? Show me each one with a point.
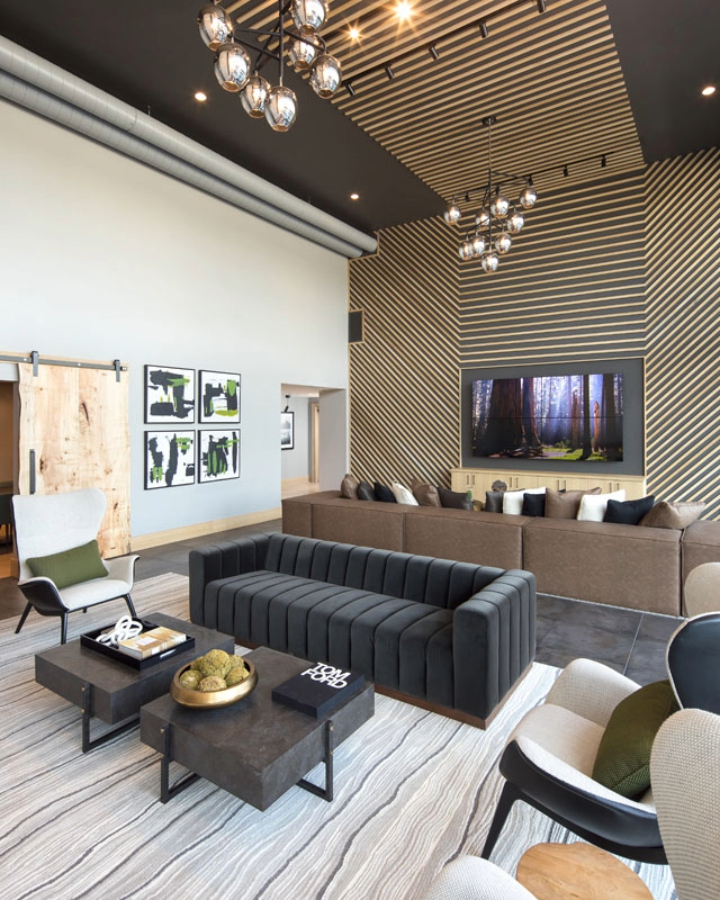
(216, 463)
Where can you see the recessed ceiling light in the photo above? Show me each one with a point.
(200, 96)
(709, 90)
(354, 196)
(354, 33)
(403, 10)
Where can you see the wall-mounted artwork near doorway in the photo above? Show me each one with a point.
(219, 397)
(219, 454)
(287, 430)
(169, 459)
(169, 395)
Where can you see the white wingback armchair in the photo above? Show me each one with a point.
(685, 772)
(46, 524)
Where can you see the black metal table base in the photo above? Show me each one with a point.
(168, 791)
(89, 744)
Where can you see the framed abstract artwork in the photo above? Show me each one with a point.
(219, 397)
(219, 454)
(169, 459)
(169, 395)
(287, 430)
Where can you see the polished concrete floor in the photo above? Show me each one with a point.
(629, 641)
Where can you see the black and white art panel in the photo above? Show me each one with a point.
(219, 454)
(169, 459)
(169, 395)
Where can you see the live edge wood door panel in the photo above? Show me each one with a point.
(76, 421)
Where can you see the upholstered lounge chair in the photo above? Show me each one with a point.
(54, 523)
(686, 781)
(548, 763)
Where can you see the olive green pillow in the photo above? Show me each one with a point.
(70, 566)
(623, 758)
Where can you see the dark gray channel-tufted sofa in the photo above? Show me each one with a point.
(450, 636)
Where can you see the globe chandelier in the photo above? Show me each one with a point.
(306, 51)
(498, 219)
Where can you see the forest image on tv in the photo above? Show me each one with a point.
(558, 417)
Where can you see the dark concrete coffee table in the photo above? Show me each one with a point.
(110, 690)
(256, 749)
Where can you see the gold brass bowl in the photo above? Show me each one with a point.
(213, 699)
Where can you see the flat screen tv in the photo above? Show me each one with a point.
(550, 417)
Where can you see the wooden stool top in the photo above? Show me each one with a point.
(578, 872)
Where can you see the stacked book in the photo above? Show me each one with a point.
(151, 643)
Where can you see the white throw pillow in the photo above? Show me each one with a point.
(403, 495)
(513, 500)
(593, 506)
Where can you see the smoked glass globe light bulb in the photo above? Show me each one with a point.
(280, 108)
(302, 53)
(452, 213)
(466, 250)
(503, 242)
(478, 245)
(215, 26)
(482, 219)
(309, 15)
(232, 67)
(500, 206)
(254, 96)
(326, 76)
(490, 262)
(515, 222)
(528, 198)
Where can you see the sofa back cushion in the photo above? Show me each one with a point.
(438, 582)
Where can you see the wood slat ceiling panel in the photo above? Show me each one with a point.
(553, 80)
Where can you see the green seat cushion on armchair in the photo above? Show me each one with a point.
(623, 758)
(71, 566)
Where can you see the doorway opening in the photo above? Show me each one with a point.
(8, 450)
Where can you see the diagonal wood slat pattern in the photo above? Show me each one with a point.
(553, 80)
(683, 308)
(572, 287)
(404, 376)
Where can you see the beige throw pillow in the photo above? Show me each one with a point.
(349, 487)
(425, 494)
(565, 505)
(673, 515)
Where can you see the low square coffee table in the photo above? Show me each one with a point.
(256, 749)
(110, 690)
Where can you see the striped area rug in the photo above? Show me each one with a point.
(413, 791)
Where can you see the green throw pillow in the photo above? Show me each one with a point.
(70, 566)
(623, 759)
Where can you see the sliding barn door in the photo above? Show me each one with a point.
(74, 434)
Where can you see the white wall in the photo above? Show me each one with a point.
(103, 258)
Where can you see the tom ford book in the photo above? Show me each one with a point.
(318, 690)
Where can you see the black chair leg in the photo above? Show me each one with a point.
(24, 616)
(129, 602)
(509, 795)
(63, 628)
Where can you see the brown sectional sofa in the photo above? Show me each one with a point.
(624, 565)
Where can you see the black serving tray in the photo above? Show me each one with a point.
(89, 640)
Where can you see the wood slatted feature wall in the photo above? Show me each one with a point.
(404, 417)
(571, 288)
(683, 308)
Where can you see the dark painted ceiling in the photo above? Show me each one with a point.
(554, 81)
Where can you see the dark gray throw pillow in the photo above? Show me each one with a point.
(365, 491)
(533, 505)
(455, 499)
(494, 501)
(628, 512)
(384, 494)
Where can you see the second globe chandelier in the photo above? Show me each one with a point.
(498, 219)
(303, 45)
